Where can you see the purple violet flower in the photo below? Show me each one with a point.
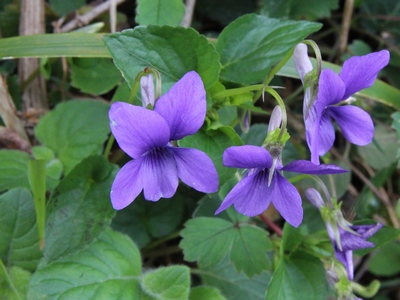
(358, 72)
(350, 242)
(146, 135)
(252, 195)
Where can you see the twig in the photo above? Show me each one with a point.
(187, 18)
(8, 112)
(344, 34)
(271, 225)
(380, 194)
(92, 14)
(113, 16)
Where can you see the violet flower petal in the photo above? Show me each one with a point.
(350, 241)
(346, 258)
(184, 106)
(159, 174)
(250, 196)
(360, 72)
(133, 128)
(323, 137)
(286, 199)
(367, 231)
(356, 124)
(307, 167)
(246, 157)
(331, 89)
(196, 169)
(127, 185)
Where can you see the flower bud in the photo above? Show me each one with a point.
(276, 119)
(314, 197)
(147, 90)
(302, 61)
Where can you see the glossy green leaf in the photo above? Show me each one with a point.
(382, 152)
(63, 7)
(19, 279)
(79, 209)
(207, 205)
(72, 131)
(173, 51)
(235, 285)
(214, 143)
(19, 242)
(300, 276)
(167, 283)
(160, 12)
(386, 261)
(13, 169)
(108, 269)
(75, 44)
(205, 292)
(37, 181)
(209, 240)
(145, 220)
(252, 44)
(296, 10)
(94, 75)
(291, 239)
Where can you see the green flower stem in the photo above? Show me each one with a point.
(238, 91)
(37, 181)
(318, 181)
(281, 104)
(162, 241)
(317, 54)
(4, 274)
(368, 291)
(273, 72)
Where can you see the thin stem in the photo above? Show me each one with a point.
(273, 72)
(238, 91)
(162, 241)
(89, 16)
(7, 278)
(271, 225)
(317, 53)
(281, 104)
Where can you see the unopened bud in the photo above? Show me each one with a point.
(314, 197)
(147, 90)
(276, 119)
(301, 61)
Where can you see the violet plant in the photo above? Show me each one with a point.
(168, 184)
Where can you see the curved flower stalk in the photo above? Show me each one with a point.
(344, 236)
(147, 135)
(253, 194)
(358, 72)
